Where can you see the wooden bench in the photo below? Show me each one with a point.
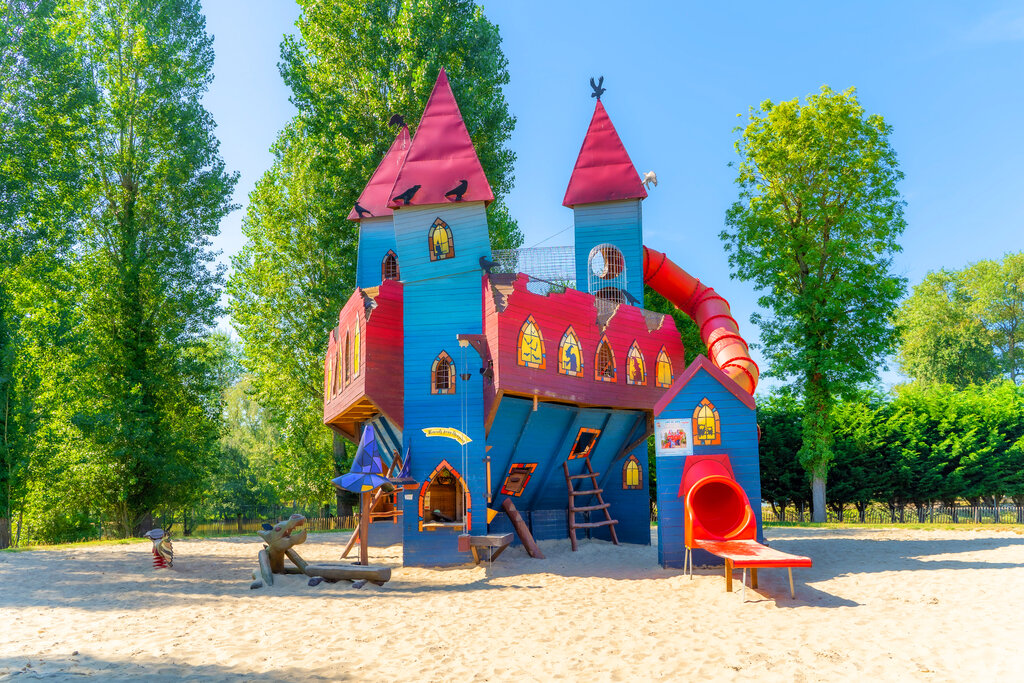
(749, 554)
(489, 541)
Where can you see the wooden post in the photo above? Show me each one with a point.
(728, 576)
(487, 459)
(792, 593)
(753, 577)
(364, 528)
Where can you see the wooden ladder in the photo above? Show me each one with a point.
(573, 508)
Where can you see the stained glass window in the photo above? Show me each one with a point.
(664, 370)
(348, 358)
(636, 369)
(631, 478)
(439, 241)
(706, 430)
(330, 375)
(604, 362)
(442, 375)
(339, 363)
(389, 267)
(570, 355)
(355, 350)
(531, 345)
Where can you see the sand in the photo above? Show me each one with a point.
(880, 604)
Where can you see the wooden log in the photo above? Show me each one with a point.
(350, 572)
(265, 572)
(296, 559)
(521, 529)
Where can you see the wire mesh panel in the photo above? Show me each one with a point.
(549, 268)
(606, 273)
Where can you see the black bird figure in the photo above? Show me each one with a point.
(633, 301)
(396, 120)
(458, 191)
(598, 90)
(407, 195)
(487, 264)
(360, 210)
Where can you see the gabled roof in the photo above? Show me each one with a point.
(701, 362)
(376, 195)
(604, 171)
(442, 155)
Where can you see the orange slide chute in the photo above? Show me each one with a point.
(718, 329)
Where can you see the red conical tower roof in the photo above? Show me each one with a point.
(603, 171)
(376, 195)
(442, 155)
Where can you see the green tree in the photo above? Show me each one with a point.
(997, 289)
(942, 341)
(352, 65)
(155, 192)
(815, 229)
(783, 481)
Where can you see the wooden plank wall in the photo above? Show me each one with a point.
(617, 223)
(739, 441)
(376, 237)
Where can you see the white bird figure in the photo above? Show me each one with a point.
(649, 178)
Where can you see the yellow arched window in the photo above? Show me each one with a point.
(339, 363)
(663, 373)
(531, 345)
(636, 369)
(604, 362)
(348, 358)
(570, 355)
(706, 428)
(330, 375)
(439, 241)
(442, 375)
(631, 477)
(355, 350)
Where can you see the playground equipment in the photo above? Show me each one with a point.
(281, 539)
(163, 551)
(471, 368)
(719, 520)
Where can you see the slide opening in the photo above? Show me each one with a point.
(718, 507)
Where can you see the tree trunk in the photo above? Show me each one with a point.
(816, 451)
(818, 497)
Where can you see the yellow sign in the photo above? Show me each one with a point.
(449, 432)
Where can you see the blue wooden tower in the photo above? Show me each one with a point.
(604, 193)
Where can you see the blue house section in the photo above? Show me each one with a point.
(618, 223)
(737, 420)
(376, 239)
(441, 301)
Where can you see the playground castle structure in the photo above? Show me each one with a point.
(497, 386)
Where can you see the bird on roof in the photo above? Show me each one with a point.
(598, 90)
(649, 178)
(407, 195)
(362, 210)
(487, 264)
(458, 190)
(396, 120)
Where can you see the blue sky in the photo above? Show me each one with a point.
(946, 75)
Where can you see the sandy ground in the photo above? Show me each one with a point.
(878, 604)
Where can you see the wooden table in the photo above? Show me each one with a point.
(490, 541)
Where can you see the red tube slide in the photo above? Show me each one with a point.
(718, 328)
(717, 509)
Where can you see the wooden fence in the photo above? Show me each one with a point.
(907, 514)
(243, 525)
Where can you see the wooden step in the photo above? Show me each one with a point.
(594, 525)
(583, 476)
(586, 493)
(588, 508)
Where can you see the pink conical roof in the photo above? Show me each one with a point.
(375, 195)
(603, 171)
(442, 155)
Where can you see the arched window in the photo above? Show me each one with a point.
(355, 350)
(330, 375)
(663, 373)
(631, 474)
(389, 267)
(570, 355)
(439, 241)
(339, 363)
(604, 362)
(706, 429)
(636, 369)
(531, 345)
(348, 358)
(444, 498)
(442, 375)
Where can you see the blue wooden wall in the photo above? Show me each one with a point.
(618, 223)
(376, 238)
(739, 441)
(441, 300)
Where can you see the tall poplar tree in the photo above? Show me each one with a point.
(155, 192)
(353, 65)
(815, 228)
